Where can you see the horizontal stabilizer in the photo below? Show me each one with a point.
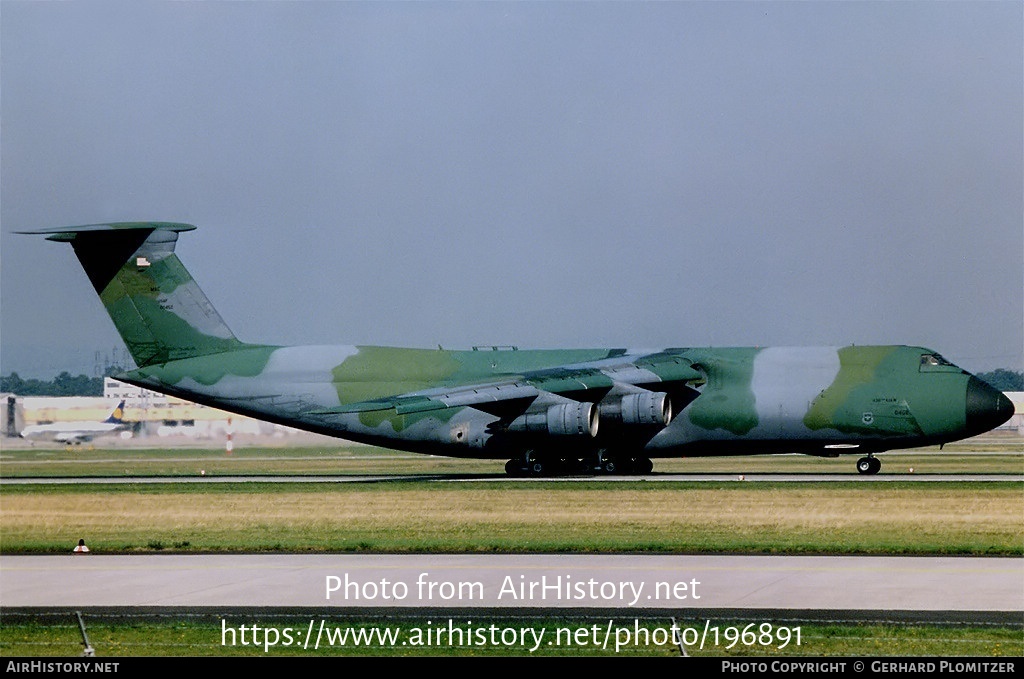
(67, 234)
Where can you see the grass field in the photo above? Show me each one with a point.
(483, 515)
(59, 635)
(478, 514)
(989, 455)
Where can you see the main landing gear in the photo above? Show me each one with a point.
(542, 466)
(869, 465)
(626, 465)
(531, 466)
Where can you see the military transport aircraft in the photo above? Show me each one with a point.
(73, 433)
(545, 411)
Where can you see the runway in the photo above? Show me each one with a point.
(959, 587)
(502, 478)
(771, 587)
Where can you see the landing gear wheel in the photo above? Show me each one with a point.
(610, 466)
(514, 468)
(868, 465)
(644, 465)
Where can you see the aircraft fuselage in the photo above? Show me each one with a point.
(610, 409)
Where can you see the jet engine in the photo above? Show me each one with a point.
(563, 419)
(648, 407)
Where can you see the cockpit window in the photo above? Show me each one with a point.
(935, 362)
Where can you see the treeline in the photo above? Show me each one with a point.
(64, 384)
(67, 385)
(1004, 380)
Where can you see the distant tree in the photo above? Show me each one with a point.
(31, 387)
(1004, 380)
(12, 384)
(64, 384)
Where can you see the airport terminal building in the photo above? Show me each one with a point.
(151, 416)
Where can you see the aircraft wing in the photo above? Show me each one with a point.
(493, 398)
(515, 395)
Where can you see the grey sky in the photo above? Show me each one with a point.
(540, 174)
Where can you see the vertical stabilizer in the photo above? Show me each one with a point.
(157, 307)
(117, 415)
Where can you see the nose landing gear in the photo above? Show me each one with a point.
(869, 465)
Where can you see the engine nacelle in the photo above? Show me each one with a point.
(564, 419)
(648, 407)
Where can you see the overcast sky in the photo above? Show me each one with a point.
(543, 174)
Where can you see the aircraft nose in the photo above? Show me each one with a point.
(987, 407)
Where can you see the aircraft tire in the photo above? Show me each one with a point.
(610, 467)
(868, 465)
(514, 468)
(644, 465)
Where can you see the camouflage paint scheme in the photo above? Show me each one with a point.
(546, 411)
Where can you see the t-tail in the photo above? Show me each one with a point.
(157, 307)
(117, 416)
